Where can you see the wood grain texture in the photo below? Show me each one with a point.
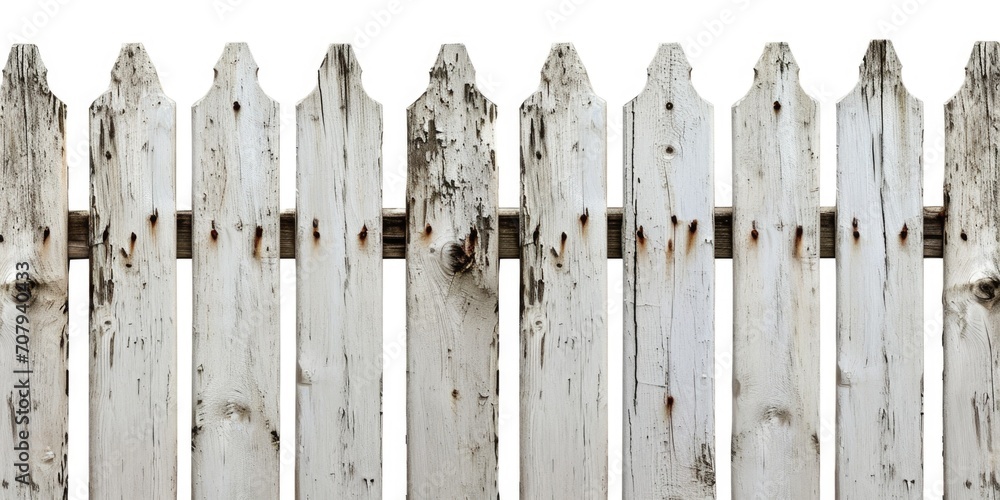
(452, 286)
(667, 251)
(775, 445)
(339, 286)
(33, 232)
(235, 437)
(564, 400)
(133, 325)
(972, 280)
(880, 284)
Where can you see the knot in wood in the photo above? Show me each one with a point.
(458, 257)
(985, 289)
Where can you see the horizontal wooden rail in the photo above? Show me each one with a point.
(394, 233)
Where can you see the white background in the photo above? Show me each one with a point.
(507, 42)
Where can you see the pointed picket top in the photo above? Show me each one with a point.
(453, 63)
(339, 65)
(984, 63)
(669, 66)
(563, 71)
(135, 68)
(452, 77)
(880, 62)
(775, 72)
(24, 64)
(236, 75)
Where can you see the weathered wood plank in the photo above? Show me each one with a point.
(669, 332)
(971, 280)
(880, 284)
(394, 233)
(564, 400)
(452, 286)
(339, 286)
(133, 327)
(235, 437)
(33, 260)
(775, 445)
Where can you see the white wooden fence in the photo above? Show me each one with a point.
(453, 234)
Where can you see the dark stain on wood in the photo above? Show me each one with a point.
(777, 106)
(904, 233)
(153, 218)
(584, 217)
(640, 236)
(363, 235)
(45, 234)
(257, 237)
(856, 233)
(705, 466)
(236, 106)
(965, 237)
(753, 231)
(215, 232)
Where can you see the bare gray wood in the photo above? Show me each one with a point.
(669, 271)
(775, 442)
(133, 324)
(33, 261)
(339, 286)
(972, 280)
(394, 233)
(564, 333)
(235, 437)
(452, 287)
(880, 284)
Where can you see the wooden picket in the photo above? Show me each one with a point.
(339, 281)
(133, 366)
(235, 436)
(879, 284)
(971, 280)
(564, 336)
(775, 446)
(669, 337)
(34, 306)
(453, 235)
(452, 293)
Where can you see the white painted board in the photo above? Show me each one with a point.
(133, 314)
(235, 437)
(564, 296)
(668, 252)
